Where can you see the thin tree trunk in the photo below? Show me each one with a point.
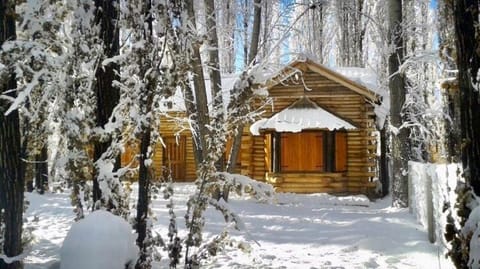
(144, 173)
(237, 139)
(214, 68)
(245, 33)
(12, 182)
(400, 145)
(384, 161)
(107, 95)
(201, 109)
(41, 170)
(257, 18)
(214, 63)
(143, 196)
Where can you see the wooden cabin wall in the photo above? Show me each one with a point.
(331, 96)
(169, 128)
(361, 143)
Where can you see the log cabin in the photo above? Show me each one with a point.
(316, 136)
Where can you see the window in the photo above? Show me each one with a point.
(311, 151)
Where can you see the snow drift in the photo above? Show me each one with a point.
(100, 241)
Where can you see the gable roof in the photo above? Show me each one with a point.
(306, 64)
(302, 114)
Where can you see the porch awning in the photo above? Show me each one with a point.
(301, 115)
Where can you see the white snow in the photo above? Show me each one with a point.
(444, 181)
(297, 231)
(472, 227)
(294, 120)
(364, 76)
(176, 102)
(99, 241)
(368, 78)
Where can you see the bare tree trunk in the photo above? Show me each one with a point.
(214, 68)
(400, 146)
(257, 19)
(143, 194)
(246, 16)
(41, 170)
(237, 140)
(12, 182)
(468, 62)
(352, 32)
(384, 160)
(214, 62)
(201, 104)
(144, 176)
(107, 95)
(465, 15)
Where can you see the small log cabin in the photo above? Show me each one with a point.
(317, 136)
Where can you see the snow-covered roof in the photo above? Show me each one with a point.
(303, 64)
(302, 114)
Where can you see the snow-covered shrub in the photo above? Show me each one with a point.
(99, 241)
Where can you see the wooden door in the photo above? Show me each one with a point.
(174, 157)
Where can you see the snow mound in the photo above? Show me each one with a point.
(100, 241)
(323, 199)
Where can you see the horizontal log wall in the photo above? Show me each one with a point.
(171, 125)
(361, 143)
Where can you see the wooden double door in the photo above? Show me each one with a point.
(174, 157)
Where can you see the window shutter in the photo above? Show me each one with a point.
(267, 140)
(340, 151)
(285, 160)
(302, 152)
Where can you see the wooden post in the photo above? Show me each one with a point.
(430, 212)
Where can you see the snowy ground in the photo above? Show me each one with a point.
(297, 231)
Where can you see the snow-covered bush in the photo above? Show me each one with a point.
(99, 241)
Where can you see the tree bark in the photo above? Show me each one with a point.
(144, 173)
(107, 95)
(384, 161)
(214, 61)
(257, 18)
(201, 116)
(468, 63)
(143, 196)
(245, 32)
(352, 32)
(400, 145)
(12, 182)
